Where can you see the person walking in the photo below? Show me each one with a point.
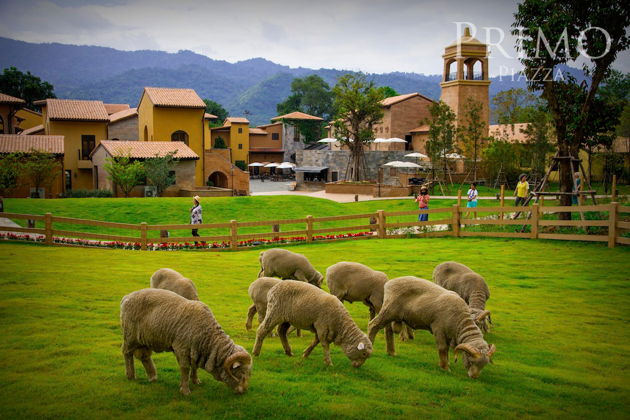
(576, 188)
(522, 191)
(195, 215)
(423, 203)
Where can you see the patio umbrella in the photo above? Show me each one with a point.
(380, 140)
(291, 164)
(272, 165)
(327, 140)
(256, 164)
(454, 156)
(395, 140)
(407, 165)
(393, 163)
(285, 165)
(416, 155)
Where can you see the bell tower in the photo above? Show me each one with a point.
(465, 76)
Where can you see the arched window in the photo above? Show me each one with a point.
(146, 133)
(180, 135)
(449, 73)
(1, 125)
(473, 69)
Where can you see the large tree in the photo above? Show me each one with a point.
(40, 168)
(442, 135)
(473, 133)
(560, 32)
(310, 94)
(160, 171)
(215, 108)
(538, 133)
(9, 171)
(25, 86)
(124, 172)
(357, 110)
(511, 106)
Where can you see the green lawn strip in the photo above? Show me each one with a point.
(560, 312)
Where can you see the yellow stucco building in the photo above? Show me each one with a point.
(235, 134)
(83, 125)
(166, 114)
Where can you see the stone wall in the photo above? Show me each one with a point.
(126, 129)
(289, 145)
(337, 160)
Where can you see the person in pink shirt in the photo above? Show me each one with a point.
(423, 203)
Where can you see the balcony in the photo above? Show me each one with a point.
(84, 164)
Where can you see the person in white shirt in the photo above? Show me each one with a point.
(472, 196)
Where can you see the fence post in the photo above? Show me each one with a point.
(534, 220)
(309, 228)
(502, 201)
(48, 230)
(459, 197)
(612, 224)
(143, 236)
(456, 220)
(380, 215)
(275, 229)
(234, 234)
(614, 188)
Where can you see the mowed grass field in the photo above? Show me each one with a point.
(560, 312)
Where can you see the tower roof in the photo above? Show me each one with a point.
(466, 39)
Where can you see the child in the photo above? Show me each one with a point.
(423, 203)
(472, 196)
(522, 190)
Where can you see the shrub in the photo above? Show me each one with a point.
(219, 143)
(88, 193)
(241, 165)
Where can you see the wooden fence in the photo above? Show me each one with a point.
(534, 223)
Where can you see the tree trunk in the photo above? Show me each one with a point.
(565, 175)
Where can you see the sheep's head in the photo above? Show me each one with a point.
(474, 359)
(317, 279)
(482, 319)
(236, 371)
(358, 353)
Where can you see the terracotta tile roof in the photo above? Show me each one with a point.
(113, 108)
(396, 99)
(256, 130)
(237, 120)
(511, 132)
(297, 115)
(176, 98)
(75, 110)
(8, 99)
(10, 143)
(33, 130)
(422, 129)
(123, 115)
(269, 125)
(208, 116)
(147, 149)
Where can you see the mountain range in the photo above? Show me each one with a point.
(250, 88)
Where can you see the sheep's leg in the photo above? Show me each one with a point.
(326, 346)
(129, 368)
(184, 370)
(263, 330)
(193, 375)
(282, 333)
(406, 333)
(378, 323)
(372, 312)
(250, 317)
(145, 357)
(442, 345)
(310, 348)
(389, 340)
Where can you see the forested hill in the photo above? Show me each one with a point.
(252, 87)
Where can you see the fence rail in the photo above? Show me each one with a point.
(610, 222)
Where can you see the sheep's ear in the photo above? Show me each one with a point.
(236, 364)
(361, 346)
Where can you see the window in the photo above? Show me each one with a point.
(334, 176)
(240, 146)
(275, 136)
(173, 176)
(296, 134)
(146, 133)
(95, 177)
(240, 130)
(180, 135)
(68, 179)
(88, 142)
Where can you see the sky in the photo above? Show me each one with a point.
(374, 36)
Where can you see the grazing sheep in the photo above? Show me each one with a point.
(308, 307)
(467, 284)
(424, 305)
(258, 293)
(355, 282)
(285, 264)
(160, 320)
(168, 279)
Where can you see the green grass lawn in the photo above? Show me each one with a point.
(215, 210)
(560, 312)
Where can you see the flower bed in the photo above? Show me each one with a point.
(174, 246)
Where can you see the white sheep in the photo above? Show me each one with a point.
(424, 305)
(258, 293)
(168, 279)
(467, 284)
(355, 282)
(160, 320)
(278, 262)
(308, 307)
